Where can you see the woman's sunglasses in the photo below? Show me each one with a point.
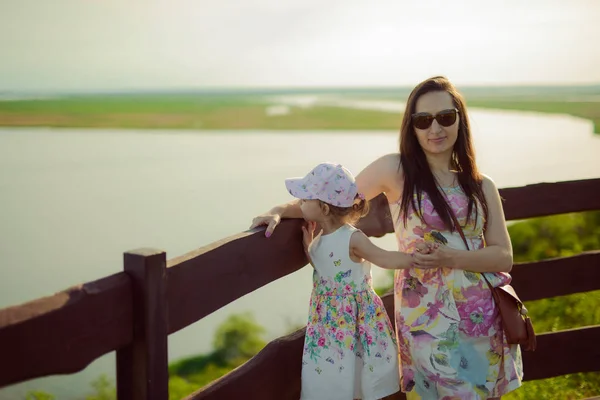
(444, 118)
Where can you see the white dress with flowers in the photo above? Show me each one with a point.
(349, 351)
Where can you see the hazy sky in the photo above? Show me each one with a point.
(135, 44)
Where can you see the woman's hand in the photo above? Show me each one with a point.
(270, 219)
(438, 256)
(273, 217)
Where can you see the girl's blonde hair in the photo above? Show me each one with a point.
(349, 215)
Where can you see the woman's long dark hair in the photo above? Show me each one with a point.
(418, 177)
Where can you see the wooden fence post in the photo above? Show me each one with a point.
(142, 367)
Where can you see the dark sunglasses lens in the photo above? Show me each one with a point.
(446, 118)
(422, 121)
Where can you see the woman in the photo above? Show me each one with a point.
(449, 331)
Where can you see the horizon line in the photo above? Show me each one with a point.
(233, 89)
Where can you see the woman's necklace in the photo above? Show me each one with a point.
(442, 182)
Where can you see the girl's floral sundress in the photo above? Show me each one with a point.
(349, 350)
(449, 334)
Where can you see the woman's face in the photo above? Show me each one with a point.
(437, 139)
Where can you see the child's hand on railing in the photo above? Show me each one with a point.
(308, 234)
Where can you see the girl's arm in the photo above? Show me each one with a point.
(362, 247)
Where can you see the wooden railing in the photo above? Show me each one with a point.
(134, 311)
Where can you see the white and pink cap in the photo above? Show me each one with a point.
(327, 182)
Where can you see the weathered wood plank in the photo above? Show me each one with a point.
(142, 366)
(273, 374)
(63, 333)
(543, 199)
(563, 352)
(557, 277)
(205, 280)
(529, 201)
(378, 221)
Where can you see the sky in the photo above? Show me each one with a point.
(72, 45)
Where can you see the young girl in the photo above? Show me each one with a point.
(349, 349)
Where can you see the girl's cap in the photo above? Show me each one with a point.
(327, 182)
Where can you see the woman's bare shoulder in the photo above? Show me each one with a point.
(391, 161)
(387, 165)
(487, 183)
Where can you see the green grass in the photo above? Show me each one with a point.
(186, 112)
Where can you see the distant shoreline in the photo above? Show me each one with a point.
(261, 111)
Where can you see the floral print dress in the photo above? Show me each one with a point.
(449, 331)
(349, 350)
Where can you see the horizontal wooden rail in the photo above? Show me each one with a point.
(529, 201)
(557, 277)
(274, 373)
(542, 199)
(205, 280)
(63, 333)
(563, 352)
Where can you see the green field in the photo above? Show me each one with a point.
(186, 112)
(248, 110)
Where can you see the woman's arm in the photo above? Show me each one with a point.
(495, 257)
(378, 177)
(288, 210)
(381, 176)
(362, 247)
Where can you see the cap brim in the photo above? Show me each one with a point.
(297, 187)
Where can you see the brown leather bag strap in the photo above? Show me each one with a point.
(459, 228)
(462, 235)
(515, 302)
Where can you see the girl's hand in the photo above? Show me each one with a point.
(422, 247)
(308, 233)
(269, 219)
(439, 255)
